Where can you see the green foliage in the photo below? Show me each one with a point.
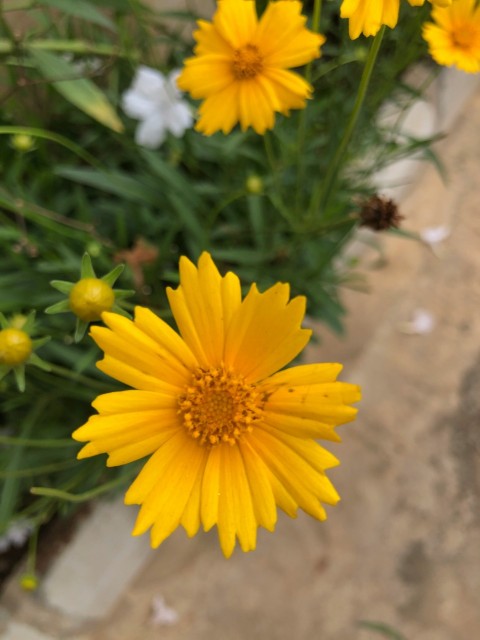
(84, 185)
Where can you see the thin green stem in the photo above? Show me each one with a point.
(302, 121)
(321, 197)
(78, 377)
(78, 497)
(32, 442)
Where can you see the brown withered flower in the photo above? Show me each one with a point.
(380, 213)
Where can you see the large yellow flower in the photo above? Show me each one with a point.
(454, 37)
(240, 65)
(367, 16)
(231, 436)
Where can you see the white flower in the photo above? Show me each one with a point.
(156, 101)
(162, 615)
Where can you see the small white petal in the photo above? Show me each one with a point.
(136, 105)
(422, 323)
(162, 615)
(179, 119)
(148, 81)
(435, 235)
(151, 132)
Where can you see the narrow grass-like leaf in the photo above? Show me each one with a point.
(84, 10)
(81, 92)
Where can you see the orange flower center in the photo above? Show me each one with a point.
(465, 37)
(219, 407)
(247, 62)
(90, 297)
(15, 347)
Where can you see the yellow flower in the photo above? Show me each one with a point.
(232, 437)
(241, 62)
(367, 16)
(454, 36)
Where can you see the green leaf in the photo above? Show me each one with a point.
(81, 92)
(117, 183)
(383, 629)
(84, 10)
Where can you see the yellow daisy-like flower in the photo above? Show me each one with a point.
(367, 16)
(241, 63)
(454, 36)
(232, 437)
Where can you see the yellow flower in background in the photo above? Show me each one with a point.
(454, 36)
(230, 436)
(241, 63)
(367, 16)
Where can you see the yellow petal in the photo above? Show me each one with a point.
(211, 489)
(282, 37)
(235, 508)
(219, 112)
(260, 486)
(236, 21)
(126, 401)
(265, 333)
(179, 462)
(167, 339)
(302, 482)
(255, 107)
(206, 75)
(133, 377)
(198, 309)
(190, 519)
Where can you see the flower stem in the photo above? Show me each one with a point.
(302, 121)
(321, 197)
(78, 497)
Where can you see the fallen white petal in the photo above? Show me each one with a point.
(435, 235)
(162, 614)
(421, 323)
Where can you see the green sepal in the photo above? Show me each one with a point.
(59, 307)
(112, 276)
(20, 377)
(121, 312)
(62, 285)
(38, 362)
(80, 329)
(29, 322)
(39, 342)
(86, 270)
(3, 321)
(123, 293)
(4, 369)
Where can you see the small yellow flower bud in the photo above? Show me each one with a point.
(22, 142)
(15, 347)
(254, 185)
(90, 297)
(29, 582)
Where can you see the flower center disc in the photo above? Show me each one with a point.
(247, 62)
(219, 407)
(465, 37)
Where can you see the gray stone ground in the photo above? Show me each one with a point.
(403, 546)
